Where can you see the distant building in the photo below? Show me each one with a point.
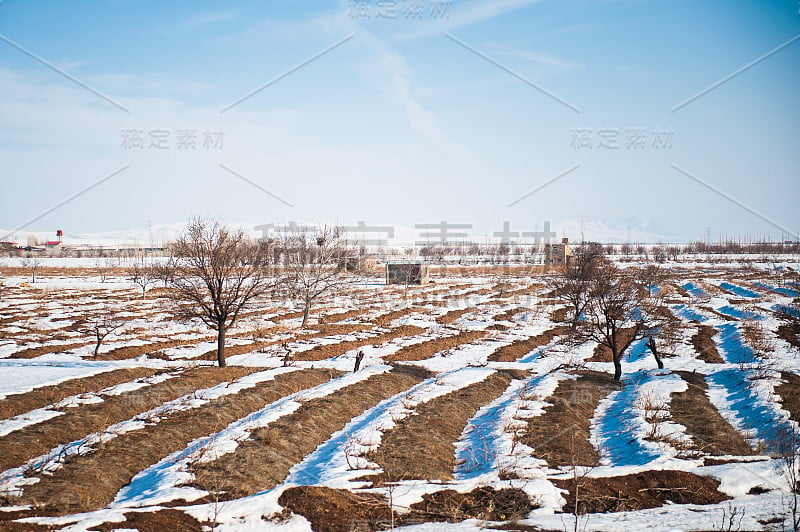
(407, 273)
(557, 254)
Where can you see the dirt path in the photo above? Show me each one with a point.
(519, 348)
(91, 481)
(264, 460)
(428, 348)
(561, 434)
(710, 433)
(421, 445)
(34, 440)
(16, 404)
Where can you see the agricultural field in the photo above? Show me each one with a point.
(473, 407)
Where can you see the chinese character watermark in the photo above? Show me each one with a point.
(165, 139)
(399, 9)
(609, 138)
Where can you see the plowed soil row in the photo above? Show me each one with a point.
(321, 352)
(264, 460)
(703, 342)
(14, 405)
(133, 351)
(420, 446)
(710, 433)
(508, 315)
(91, 481)
(561, 434)
(603, 353)
(386, 319)
(519, 348)
(35, 440)
(33, 352)
(428, 348)
(453, 315)
(649, 489)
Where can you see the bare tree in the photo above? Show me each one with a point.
(143, 274)
(620, 310)
(313, 264)
(32, 263)
(218, 272)
(103, 324)
(572, 285)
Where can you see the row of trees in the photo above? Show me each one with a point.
(215, 273)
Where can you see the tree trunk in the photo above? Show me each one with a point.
(306, 310)
(651, 344)
(359, 358)
(221, 345)
(617, 358)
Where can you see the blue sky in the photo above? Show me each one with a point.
(410, 120)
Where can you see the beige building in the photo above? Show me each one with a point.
(407, 273)
(557, 254)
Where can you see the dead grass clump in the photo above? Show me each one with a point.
(420, 446)
(34, 440)
(519, 348)
(14, 405)
(711, 434)
(91, 481)
(561, 434)
(264, 460)
(649, 489)
(428, 348)
(790, 332)
(337, 510)
(484, 503)
(703, 342)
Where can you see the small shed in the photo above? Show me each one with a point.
(407, 273)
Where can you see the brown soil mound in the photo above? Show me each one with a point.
(509, 314)
(561, 434)
(321, 352)
(14, 405)
(520, 348)
(560, 315)
(264, 460)
(336, 510)
(91, 481)
(428, 348)
(33, 352)
(421, 446)
(703, 342)
(790, 332)
(649, 489)
(34, 440)
(789, 391)
(603, 353)
(710, 433)
(159, 521)
(453, 315)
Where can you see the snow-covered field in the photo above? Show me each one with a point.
(66, 409)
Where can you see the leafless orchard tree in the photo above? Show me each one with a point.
(572, 285)
(621, 309)
(143, 274)
(218, 272)
(32, 263)
(103, 324)
(312, 265)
